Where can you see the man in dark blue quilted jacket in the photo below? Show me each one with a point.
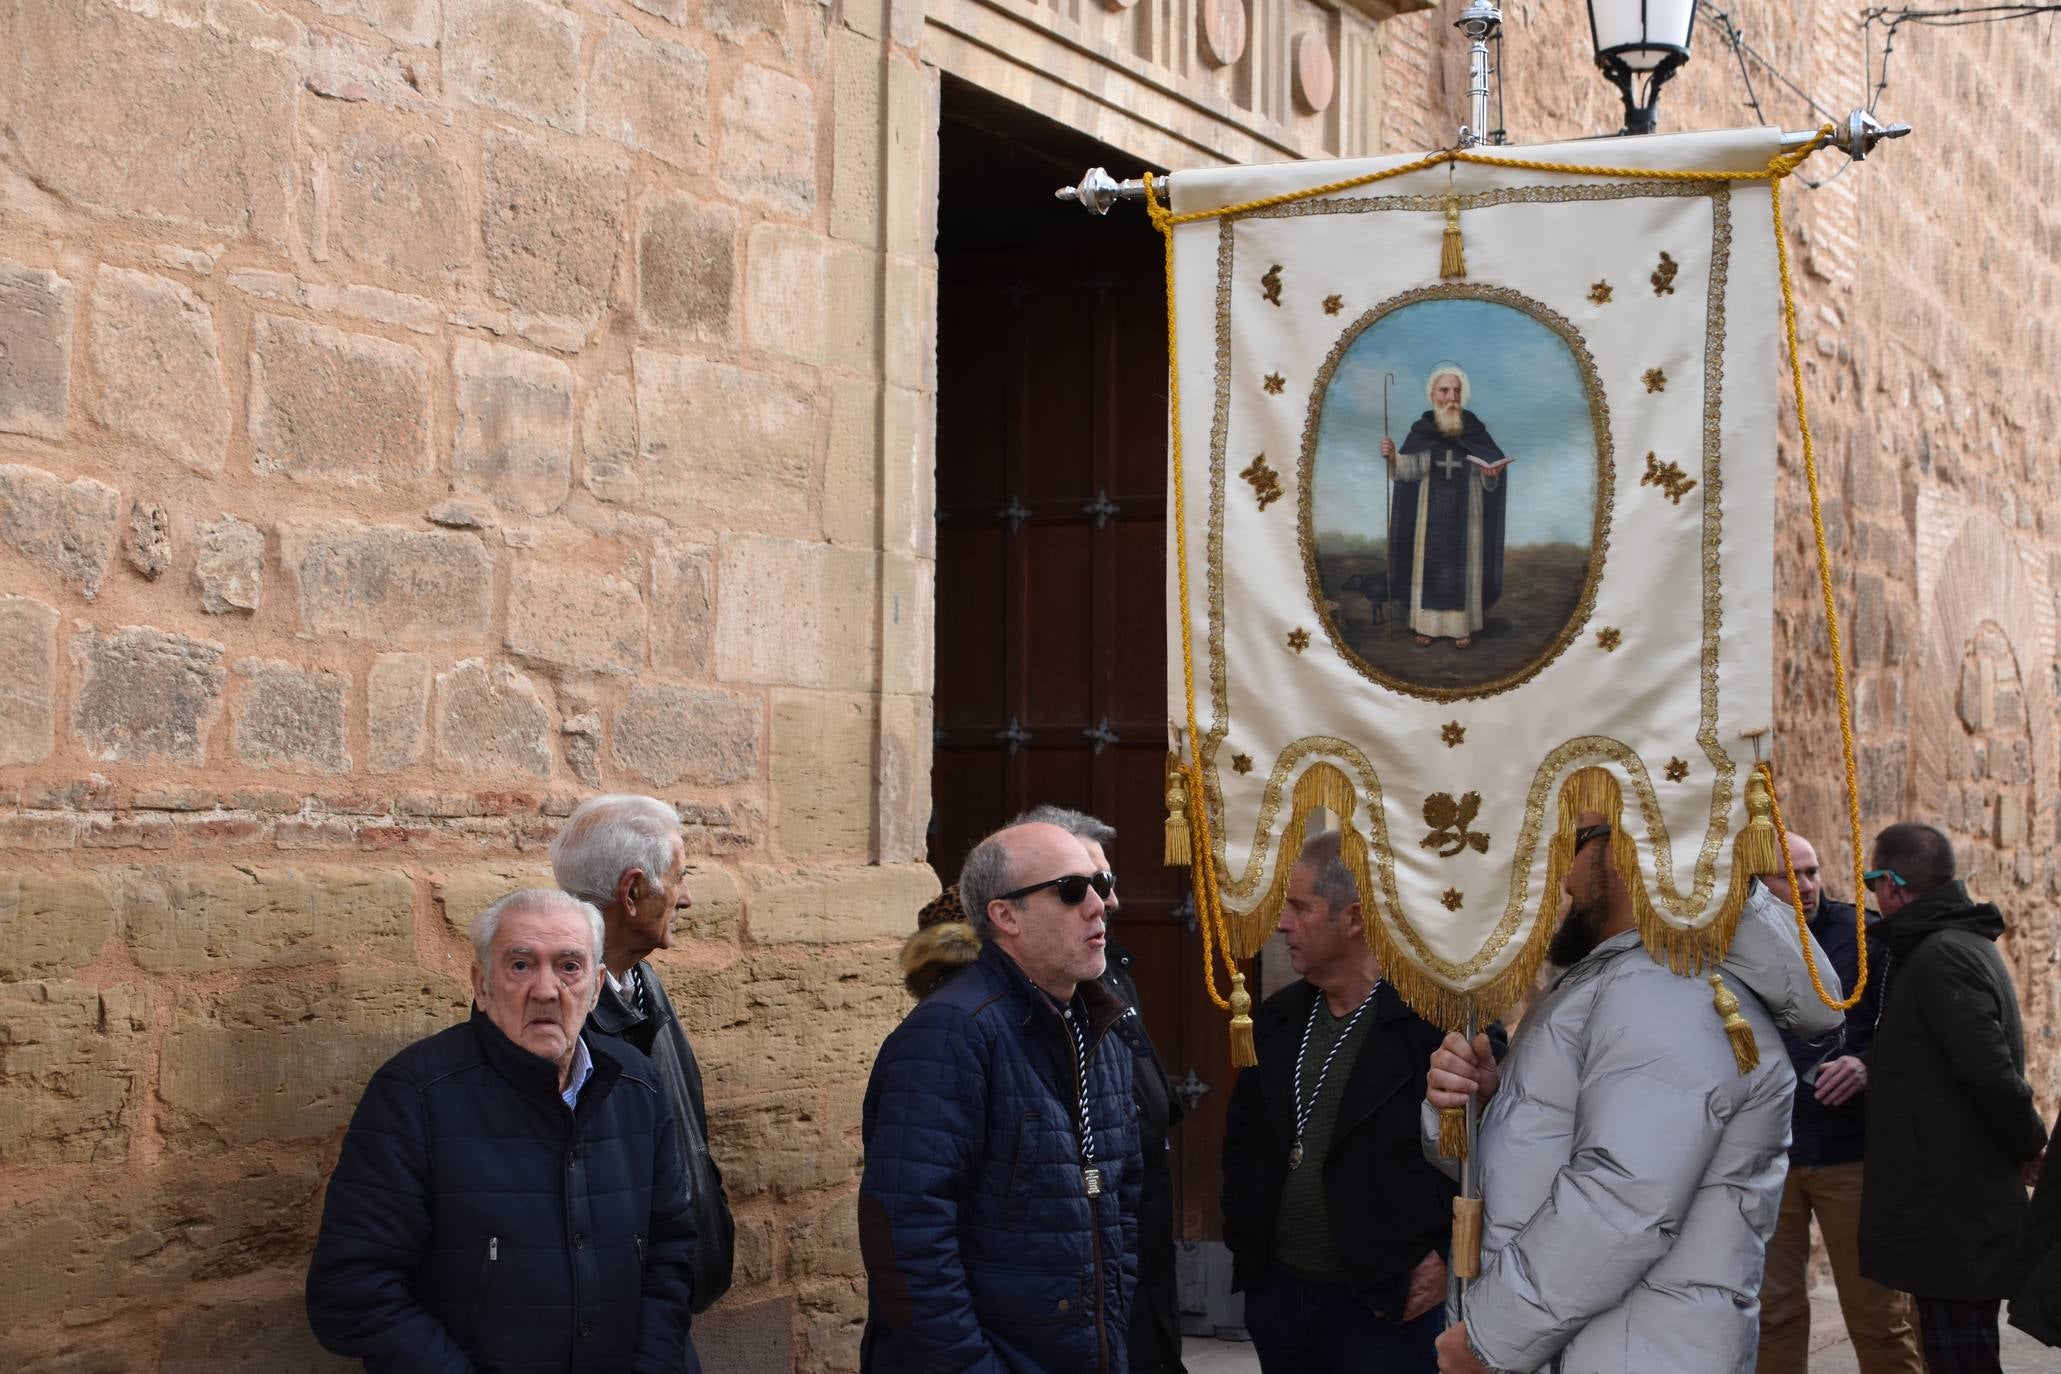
(509, 1197)
(998, 1213)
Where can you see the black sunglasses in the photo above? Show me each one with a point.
(1590, 832)
(1071, 887)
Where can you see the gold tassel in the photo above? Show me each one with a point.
(1756, 848)
(1452, 1132)
(1178, 854)
(1243, 1055)
(1453, 261)
(1745, 1049)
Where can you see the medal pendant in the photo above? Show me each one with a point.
(1295, 1155)
(1091, 1178)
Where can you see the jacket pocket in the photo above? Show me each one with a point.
(490, 1259)
(1023, 1160)
(1009, 1297)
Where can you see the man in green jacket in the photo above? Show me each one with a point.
(1953, 1135)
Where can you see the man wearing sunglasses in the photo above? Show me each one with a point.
(1953, 1135)
(998, 1208)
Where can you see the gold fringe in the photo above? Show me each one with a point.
(1745, 1049)
(1452, 1132)
(1243, 1054)
(1452, 261)
(1179, 852)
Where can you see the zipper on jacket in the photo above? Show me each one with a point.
(493, 1249)
(486, 1279)
(640, 1249)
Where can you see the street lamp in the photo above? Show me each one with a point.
(1641, 38)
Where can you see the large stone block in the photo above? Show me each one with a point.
(901, 807)
(399, 201)
(515, 426)
(553, 226)
(492, 721)
(683, 609)
(36, 368)
(229, 566)
(290, 718)
(390, 584)
(754, 1338)
(68, 529)
(608, 442)
(52, 923)
(833, 1320)
(28, 692)
(650, 96)
(515, 55)
(196, 918)
(160, 371)
(778, 1145)
(345, 407)
(723, 443)
(822, 770)
(463, 893)
(72, 1075)
(838, 905)
(260, 1336)
(590, 621)
(413, 22)
(397, 711)
(798, 1014)
(687, 268)
(800, 615)
(145, 695)
(288, 1061)
(667, 734)
(787, 292)
(768, 155)
(158, 121)
(825, 1243)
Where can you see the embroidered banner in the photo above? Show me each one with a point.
(1476, 492)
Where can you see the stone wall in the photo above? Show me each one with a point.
(416, 415)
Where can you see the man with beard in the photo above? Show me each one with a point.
(1445, 523)
(1631, 1174)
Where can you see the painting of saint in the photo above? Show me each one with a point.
(1445, 540)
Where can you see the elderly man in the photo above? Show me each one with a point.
(625, 855)
(1827, 1140)
(508, 1196)
(1445, 523)
(998, 1207)
(1953, 1135)
(1631, 1173)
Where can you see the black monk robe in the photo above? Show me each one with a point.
(1448, 477)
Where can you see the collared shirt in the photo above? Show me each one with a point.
(582, 1070)
(629, 987)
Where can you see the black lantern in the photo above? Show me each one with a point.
(1639, 45)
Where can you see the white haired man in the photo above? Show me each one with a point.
(1445, 522)
(508, 1196)
(625, 854)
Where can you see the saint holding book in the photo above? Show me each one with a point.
(1445, 526)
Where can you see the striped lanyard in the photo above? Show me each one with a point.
(1304, 1110)
(1091, 1177)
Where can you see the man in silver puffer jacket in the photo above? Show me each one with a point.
(1631, 1174)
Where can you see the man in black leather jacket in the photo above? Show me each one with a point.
(625, 854)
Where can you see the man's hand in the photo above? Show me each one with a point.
(1453, 1355)
(1427, 1287)
(1460, 1071)
(1842, 1080)
(1388, 451)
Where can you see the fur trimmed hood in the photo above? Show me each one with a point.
(935, 953)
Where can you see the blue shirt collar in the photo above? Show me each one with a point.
(582, 1070)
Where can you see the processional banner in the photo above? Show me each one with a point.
(1473, 496)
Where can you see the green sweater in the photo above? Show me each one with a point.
(1303, 1243)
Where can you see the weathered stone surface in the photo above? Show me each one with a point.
(72, 1074)
(160, 371)
(754, 1257)
(345, 407)
(838, 905)
(787, 292)
(553, 225)
(413, 22)
(194, 918)
(492, 720)
(36, 369)
(144, 695)
(389, 583)
(768, 153)
(515, 426)
(722, 442)
(344, 68)
(718, 905)
(753, 1338)
(683, 609)
(290, 718)
(397, 711)
(833, 1319)
(288, 1061)
(229, 566)
(28, 689)
(590, 621)
(265, 1336)
(825, 1243)
(148, 543)
(582, 733)
(608, 441)
(52, 923)
(461, 515)
(795, 614)
(687, 268)
(159, 121)
(668, 733)
(650, 96)
(68, 529)
(399, 202)
(777, 1145)
(902, 804)
(463, 893)
(515, 55)
(822, 772)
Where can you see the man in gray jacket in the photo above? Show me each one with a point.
(1631, 1173)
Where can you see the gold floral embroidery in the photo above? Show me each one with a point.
(1333, 304)
(1266, 483)
(1600, 293)
(1676, 770)
(1270, 285)
(1669, 477)
(1609, 637)
(1452, 899)
(1298, 639)
(1275, 383)
(1241, 763)
(1664, 276)
(1453, 733)
(1449, 821)
(1656, 380)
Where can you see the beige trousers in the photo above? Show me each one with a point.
(1881, 1321)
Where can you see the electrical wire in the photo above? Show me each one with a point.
(1742, 52)
(1961, 16)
